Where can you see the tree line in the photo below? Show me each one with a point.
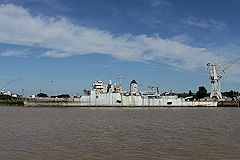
(202, 93)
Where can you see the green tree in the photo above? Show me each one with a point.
(190, 93)
(230, 94)
(42, 95)
(202, 92)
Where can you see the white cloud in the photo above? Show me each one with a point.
(196, 23)
(157, 3)
(18, 53)
(55, 54)
(236, 1)
(233, 74)
(209, 24)
(182, 38)
(62, 39)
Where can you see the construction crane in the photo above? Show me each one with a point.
(216, 76)
(10, 82)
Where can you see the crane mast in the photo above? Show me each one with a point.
(215, 80)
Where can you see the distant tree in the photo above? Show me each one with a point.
(202, 92)
(183, 95)
(6, 97)
(42, 95)
(230, 94)
(190, 93)
(63, 96)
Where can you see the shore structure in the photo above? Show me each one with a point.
(111, 95)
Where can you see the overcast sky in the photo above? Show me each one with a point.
(61, 46)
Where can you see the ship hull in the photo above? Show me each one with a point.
(118, 100)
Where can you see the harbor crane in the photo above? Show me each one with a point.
(216, 76)
(10, 82)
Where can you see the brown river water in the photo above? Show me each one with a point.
(119, 133)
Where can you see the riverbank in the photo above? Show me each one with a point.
(12, 102)
(228, 104)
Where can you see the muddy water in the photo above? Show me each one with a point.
(113, 133)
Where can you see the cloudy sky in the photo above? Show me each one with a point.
(61, 46)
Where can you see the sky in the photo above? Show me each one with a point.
(62, 46)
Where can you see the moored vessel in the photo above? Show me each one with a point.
(111, 95)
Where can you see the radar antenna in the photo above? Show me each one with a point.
(154, 86)
(119, 79)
